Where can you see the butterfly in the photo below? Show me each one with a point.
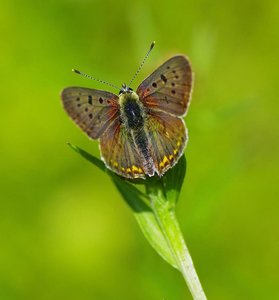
(141, 133)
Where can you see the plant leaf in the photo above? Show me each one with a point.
(146, 220)
(140, 205)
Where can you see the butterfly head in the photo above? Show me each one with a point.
(126, 94)
(125, 89)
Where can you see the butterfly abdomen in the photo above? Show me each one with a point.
(142, 144)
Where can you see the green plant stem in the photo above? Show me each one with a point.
(168, 223)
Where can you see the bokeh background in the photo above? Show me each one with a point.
(65, 233)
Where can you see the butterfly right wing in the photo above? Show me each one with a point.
(119, 151)
(92, 110)
(168, 88)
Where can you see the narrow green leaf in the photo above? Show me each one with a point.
(140, 205)
(146, 220)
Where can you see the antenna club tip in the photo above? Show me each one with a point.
(152, 45)
(76, 71)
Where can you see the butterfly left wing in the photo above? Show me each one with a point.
(92, 110)
(168, 138)
(168, 88)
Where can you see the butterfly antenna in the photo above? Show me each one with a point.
(99, 80)
(142, 63)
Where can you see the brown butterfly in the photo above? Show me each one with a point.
(141, 133)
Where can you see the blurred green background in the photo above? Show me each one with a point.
(65, 233)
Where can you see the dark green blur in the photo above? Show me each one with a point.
(65, 233)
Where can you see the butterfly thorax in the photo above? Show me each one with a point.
(132, 110)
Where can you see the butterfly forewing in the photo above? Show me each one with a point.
(119, 151)
(168, 88)
(168, 137)
(92, 110)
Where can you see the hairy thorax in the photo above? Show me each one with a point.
(132, 111)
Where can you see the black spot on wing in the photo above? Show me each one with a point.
(90, 99)
(164, 78)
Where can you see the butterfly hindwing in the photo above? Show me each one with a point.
(168, 137)
(168, 88)
(92, 110)
(120, 152)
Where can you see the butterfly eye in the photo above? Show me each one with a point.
(130, 90)
(121, 91)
